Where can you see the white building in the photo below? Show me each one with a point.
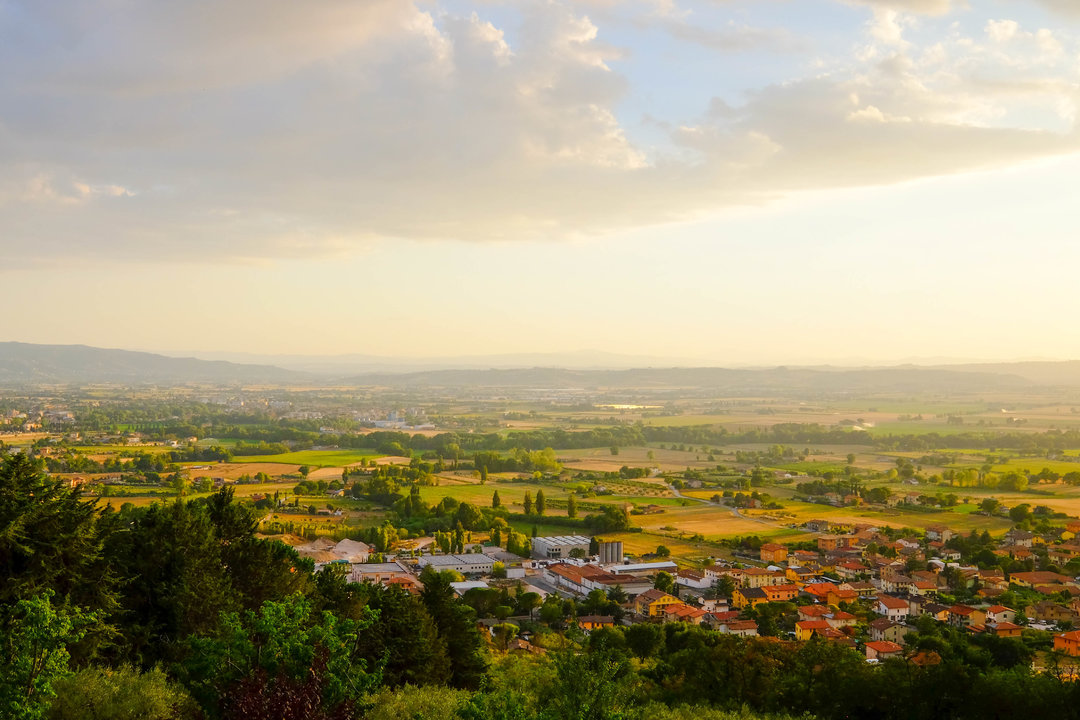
(468, 563)
(558, 547)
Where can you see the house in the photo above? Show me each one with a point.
(1047, 611)
(882, 650)
(996, 614)
(759, 577)
(592, 622)
(681, 612)
(748, 597)
(819, 591)
(935, 610)
(843, 593)
(841, 619)
(773, 553)
(813, 612)
(1019, 537)
(1068, 643)
(835, 542)
(780, 593)
(693, 579)
(800, 575)
(744, 628)
(1006, 630)
(1063, 554)
(940, 533)
(886, 629)
(805, 629)
(966, 616)
(1040, 578)
(862, 588)
(851, 569)
(652, 602)
(891, 607)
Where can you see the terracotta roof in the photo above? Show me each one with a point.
(892, 603)
(884, 646)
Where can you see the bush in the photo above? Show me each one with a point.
(105, 694)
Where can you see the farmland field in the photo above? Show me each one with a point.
(312, 458)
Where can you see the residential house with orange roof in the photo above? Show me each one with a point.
(781, 593)
(842, 593)
(744, 628)
(1068, 643)
(759, 577)
(883, 650)
(813, 612)
(819, 591)
(773, 553)
(652, 602)
(966, 616)
(799, 575)
(996, 614)
(805, 629)
(592, 622)
(1006, 630)
(841, 619)
(891, 607)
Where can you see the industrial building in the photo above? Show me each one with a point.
(559, 546)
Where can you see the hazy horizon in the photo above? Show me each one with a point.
(738, 183)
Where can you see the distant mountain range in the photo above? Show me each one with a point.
(26, 364)
(357, 364)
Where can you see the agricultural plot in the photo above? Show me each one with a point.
(233, 470)
(312, 458)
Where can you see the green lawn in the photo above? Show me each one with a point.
(312, 458)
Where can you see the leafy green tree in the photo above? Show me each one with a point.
(664, 582)
(52, 539)
(571, 506)
(34, 640)
(528, 502)
(591, 686)
(281, 644)
(456, 628)
(644, 639)
(541, 503)
(495, 501)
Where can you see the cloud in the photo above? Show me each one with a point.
(300, 134)
(922, 7)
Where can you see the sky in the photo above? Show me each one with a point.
(727, 181)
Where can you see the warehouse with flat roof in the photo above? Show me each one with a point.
(558, 547)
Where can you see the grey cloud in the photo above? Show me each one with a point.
(408, 126)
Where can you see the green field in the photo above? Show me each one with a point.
(312, 458)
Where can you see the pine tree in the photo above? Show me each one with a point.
(541, 504)
(495, 501)
(571, 507)
(528, 503)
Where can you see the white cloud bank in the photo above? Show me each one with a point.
(269, 128)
